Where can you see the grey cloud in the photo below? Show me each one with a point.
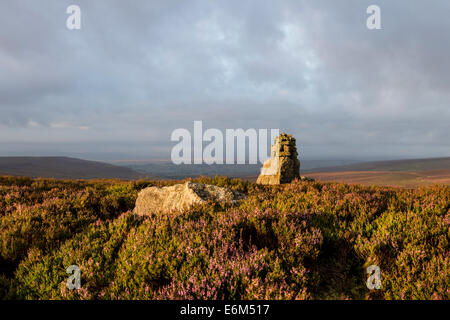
(136, 71)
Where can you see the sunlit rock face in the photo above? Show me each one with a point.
(181, 197)
(283, 165)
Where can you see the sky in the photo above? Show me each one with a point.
(136, 71)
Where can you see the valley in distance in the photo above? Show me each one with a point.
(409, 173)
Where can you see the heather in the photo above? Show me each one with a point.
(304, 240)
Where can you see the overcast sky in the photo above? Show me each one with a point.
(137, 70)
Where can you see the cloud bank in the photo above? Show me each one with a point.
(136, 71)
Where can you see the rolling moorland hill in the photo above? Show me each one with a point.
(304, 240)
(401, 173)
(63, 168)
(73, 168)
(391, 165)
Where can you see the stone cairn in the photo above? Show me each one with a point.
(283, 166)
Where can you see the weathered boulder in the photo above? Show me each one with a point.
(283, 166)
(181, 197)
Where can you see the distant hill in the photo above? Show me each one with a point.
(406, 173)
(167, 170)
(391, 165)
(402, 173)
(64, 168)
